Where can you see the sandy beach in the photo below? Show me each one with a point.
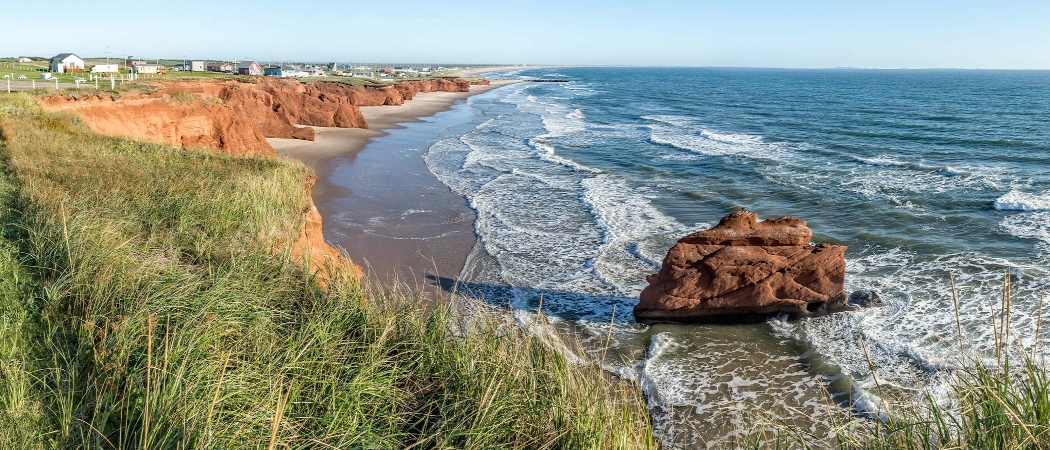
(379, 201)
(333, 142)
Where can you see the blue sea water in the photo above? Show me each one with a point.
(581, 187)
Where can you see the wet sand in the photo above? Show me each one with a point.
(379, 201)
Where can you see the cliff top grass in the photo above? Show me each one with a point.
(148, 300)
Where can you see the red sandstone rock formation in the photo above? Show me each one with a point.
(743, 270)
(243, 113)
(157, 117)
(314, 253)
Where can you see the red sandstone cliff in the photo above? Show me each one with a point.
(313, 252)
(186, 121)
(235, 116)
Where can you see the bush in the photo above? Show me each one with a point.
(180, 97)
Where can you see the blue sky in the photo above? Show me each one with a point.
(815, 33)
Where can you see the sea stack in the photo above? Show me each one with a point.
(743, 270)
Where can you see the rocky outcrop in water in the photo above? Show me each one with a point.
(743, 270)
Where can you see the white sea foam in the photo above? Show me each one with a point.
(547, 154)
(1022, 201)
(558, 122)
(410, 212)
(626, 218)
(730, 138)
(695, 377)
(905, 339)
(681, 132)
(1030, 225)
(679, 157)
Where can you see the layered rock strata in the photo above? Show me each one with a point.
(185, 121)
(236, 116)
(743, 270)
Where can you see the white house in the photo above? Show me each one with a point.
(149, 68)
(284, 72)
(194, 66)
(24, 60)
(66, 62)
(105, 68)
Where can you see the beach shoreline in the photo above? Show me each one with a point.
(332, 142)
(383, 206)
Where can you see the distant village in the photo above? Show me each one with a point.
(71, 63)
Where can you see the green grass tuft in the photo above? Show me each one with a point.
(180, 98)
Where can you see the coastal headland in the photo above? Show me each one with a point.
(277, 117)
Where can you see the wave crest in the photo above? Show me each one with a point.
(1022, 201)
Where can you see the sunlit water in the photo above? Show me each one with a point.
(581, 187)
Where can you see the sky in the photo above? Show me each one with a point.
(1003, 34)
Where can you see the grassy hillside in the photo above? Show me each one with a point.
(147, 300)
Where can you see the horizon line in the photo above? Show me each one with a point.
(540, 65)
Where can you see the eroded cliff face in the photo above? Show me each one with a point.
(188, 121)
(235, 116)
(311, 250)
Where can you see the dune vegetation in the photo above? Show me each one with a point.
(148, 299)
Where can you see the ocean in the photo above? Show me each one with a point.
(580, 188)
